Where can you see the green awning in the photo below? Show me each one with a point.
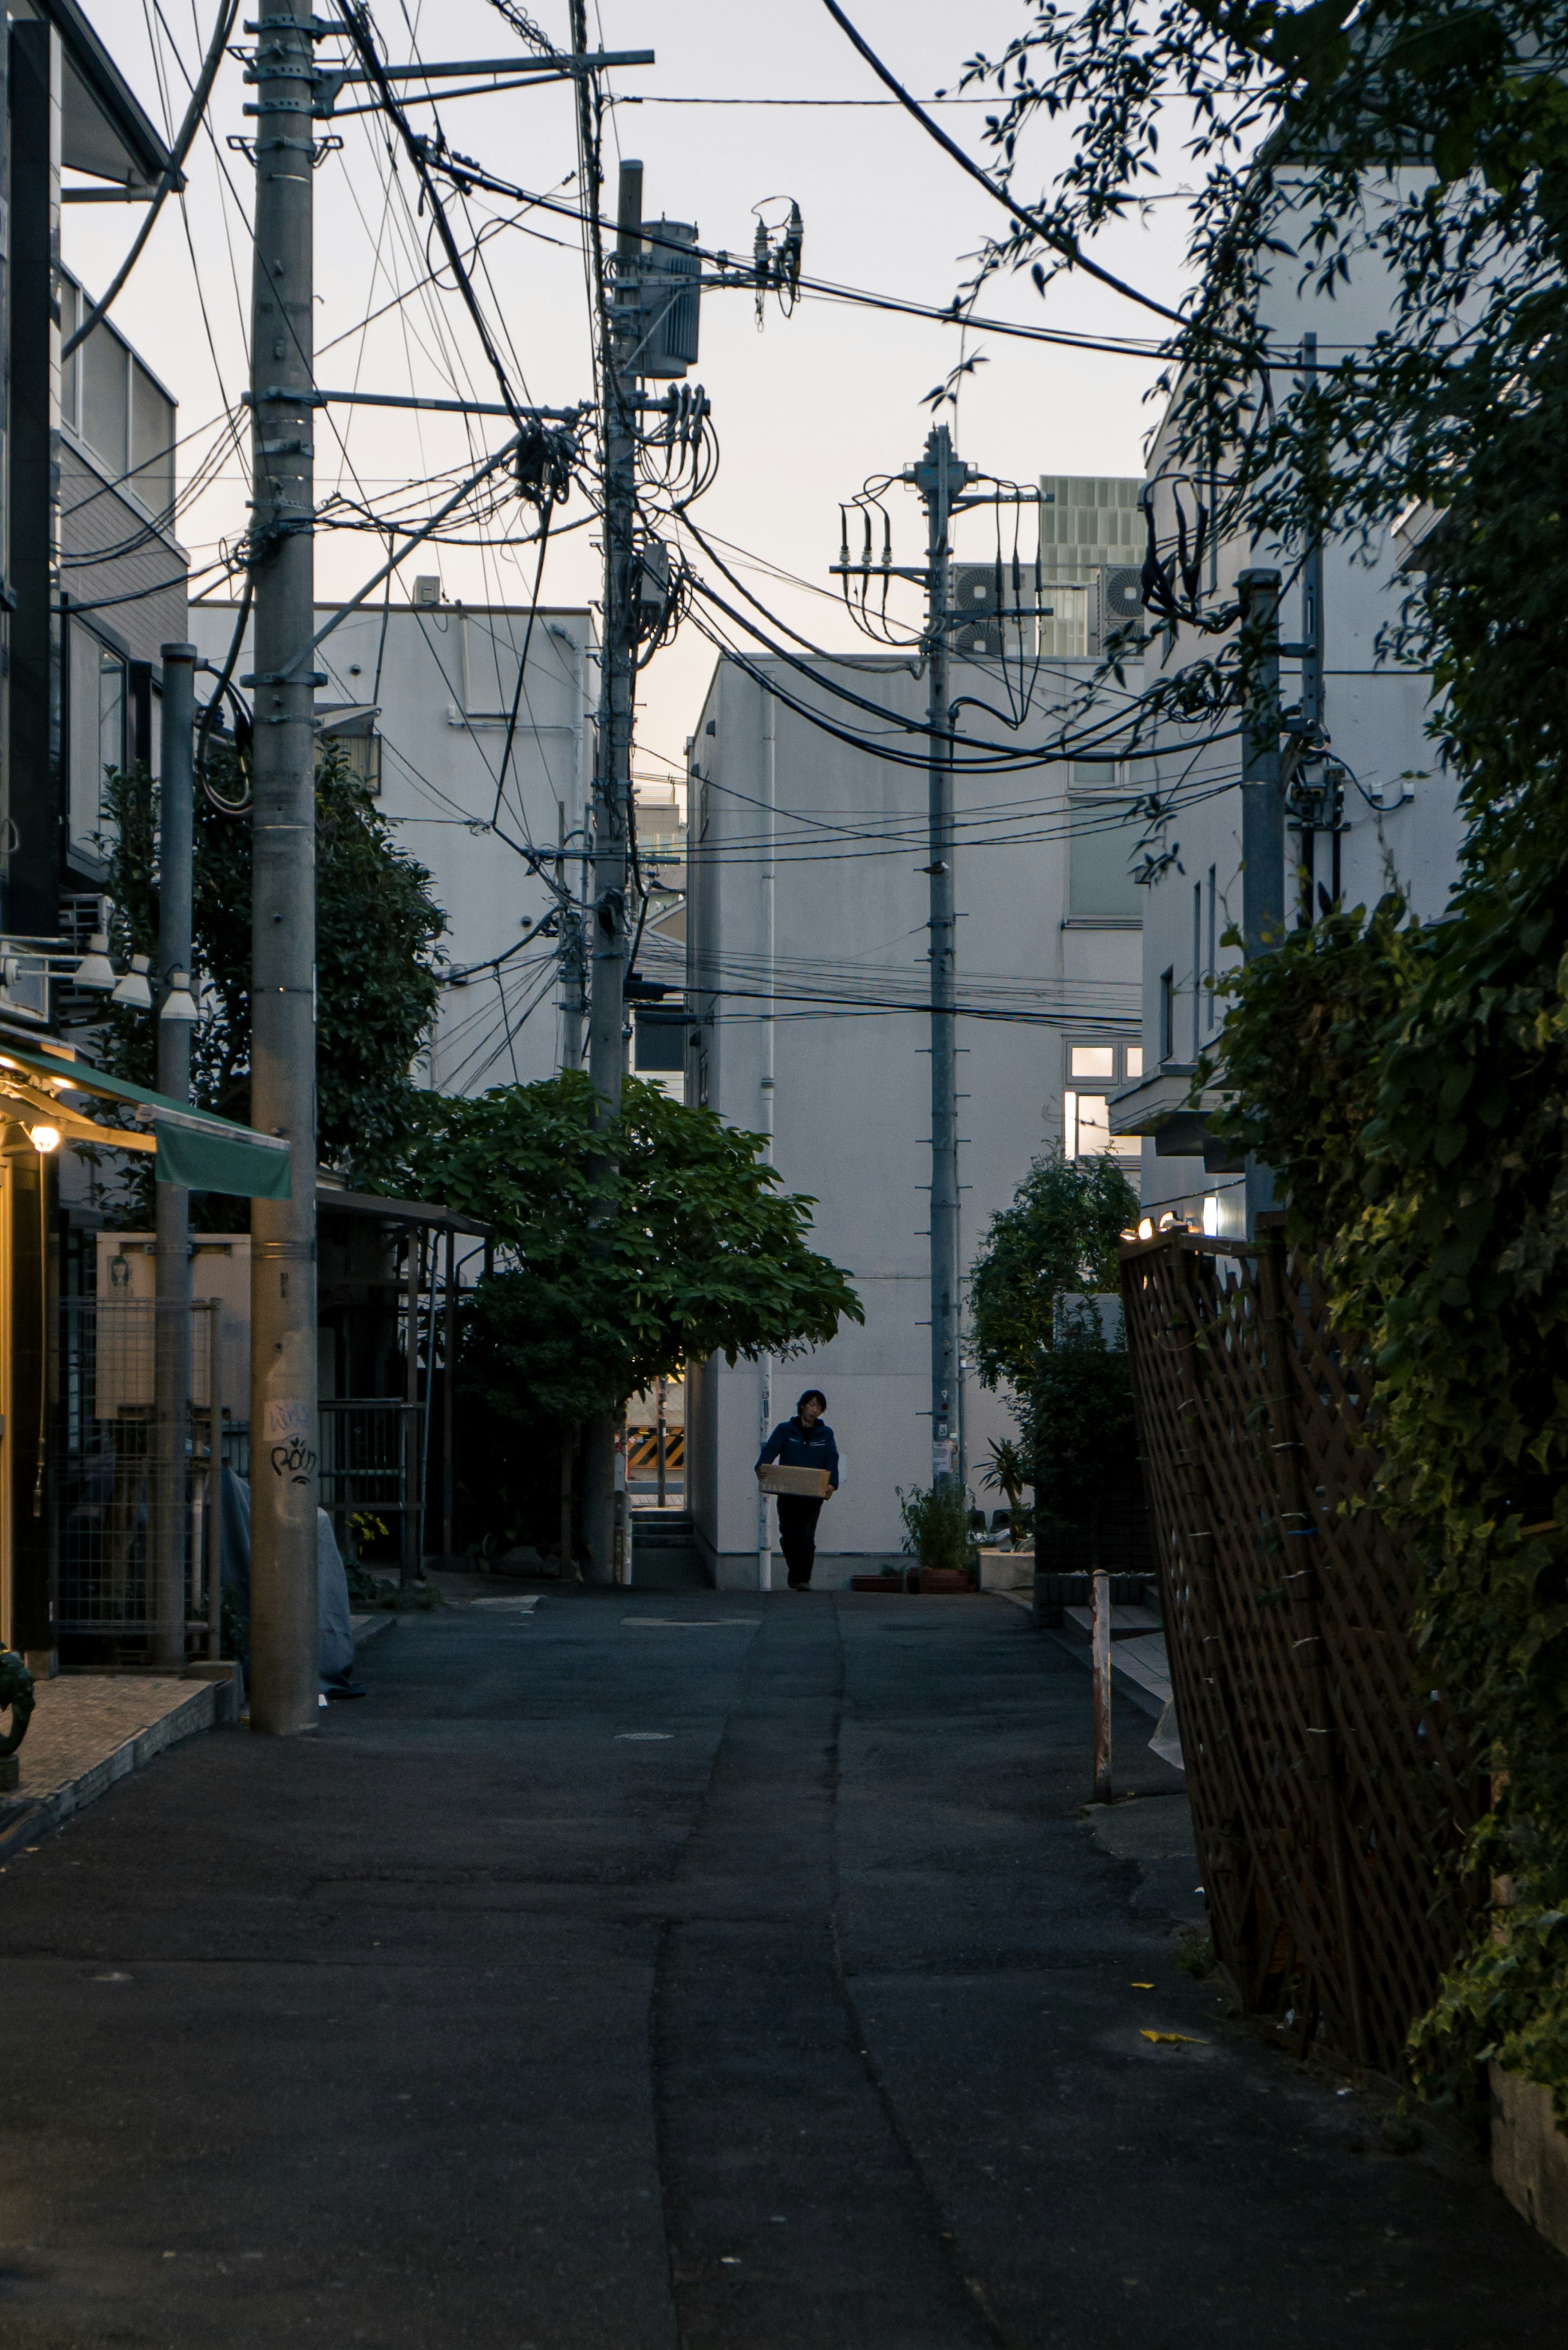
(196, 1149)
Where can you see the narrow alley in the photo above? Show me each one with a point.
(635, 1970)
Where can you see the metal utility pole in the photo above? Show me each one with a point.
(171, 1206)
(284, 1444)
(612, 771)
(1262, 803)
(939, 477)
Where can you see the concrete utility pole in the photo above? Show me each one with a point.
(939, 477)
(285, 1443)
(1262, 802)
(172, 1202)
(767, 1087)
(569, 954)
(612, 772)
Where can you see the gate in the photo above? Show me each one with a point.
(138, 1544)
(373, 1463)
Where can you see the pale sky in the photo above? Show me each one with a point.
(805, 411)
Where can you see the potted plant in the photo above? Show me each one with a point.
(1008, 1474)
(937, 1531)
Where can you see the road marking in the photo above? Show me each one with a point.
(522, 1606)
(645, 1733)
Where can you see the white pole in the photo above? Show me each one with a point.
(766, 1093)
(1102, 1672)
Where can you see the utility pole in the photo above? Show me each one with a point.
(285, 1443)
(766, 1084)
(1262, 803)
(612, 772)
(569, 954)
(940, 477)
(1311, 802)
(943, 481)
(172, 1202)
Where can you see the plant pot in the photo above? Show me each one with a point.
(934, 1579)
(1006, 1570)
(1530, 2153)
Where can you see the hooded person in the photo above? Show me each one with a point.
(806, 1442)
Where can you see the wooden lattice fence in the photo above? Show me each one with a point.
(1327, 1791)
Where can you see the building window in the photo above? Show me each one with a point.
(1167, 1015)
(122, 413)
(1095, 1072)
(1212, 968)
(1102, 844)
(110, 712)
(659, 1048)
(363, 754)
(359, 745)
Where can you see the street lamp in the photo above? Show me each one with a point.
(95, 969)
(179, 1003)
(134, 990)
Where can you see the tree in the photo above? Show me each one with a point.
(1077, 1413)
(1057, 1240)
(606, 1281)
(376, 967)
(1072, 1390)
(1408, 1083)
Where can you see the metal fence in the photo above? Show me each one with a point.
(1329, 1792)
(139, 1574)
(373, 1466)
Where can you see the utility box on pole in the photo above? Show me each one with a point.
(285, 1443)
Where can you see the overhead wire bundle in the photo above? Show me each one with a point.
(686, 576)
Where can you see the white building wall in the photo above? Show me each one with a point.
(442, 679)
(851, 1090)
(1401, 826)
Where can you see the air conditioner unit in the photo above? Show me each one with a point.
(670, 271)
(1116, 598)
(983, 629)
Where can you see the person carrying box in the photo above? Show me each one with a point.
(799, 1465)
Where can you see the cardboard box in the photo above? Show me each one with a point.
(814, 1484)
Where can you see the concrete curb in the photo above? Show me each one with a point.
(208, 1703)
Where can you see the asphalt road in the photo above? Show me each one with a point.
(669, 1972)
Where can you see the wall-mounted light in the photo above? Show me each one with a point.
(134, 990)
(95, 969)
(179, 1003)
(45, 1139)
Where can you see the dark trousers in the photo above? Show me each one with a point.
(798, 1516)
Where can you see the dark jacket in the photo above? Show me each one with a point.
(792, 1445)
